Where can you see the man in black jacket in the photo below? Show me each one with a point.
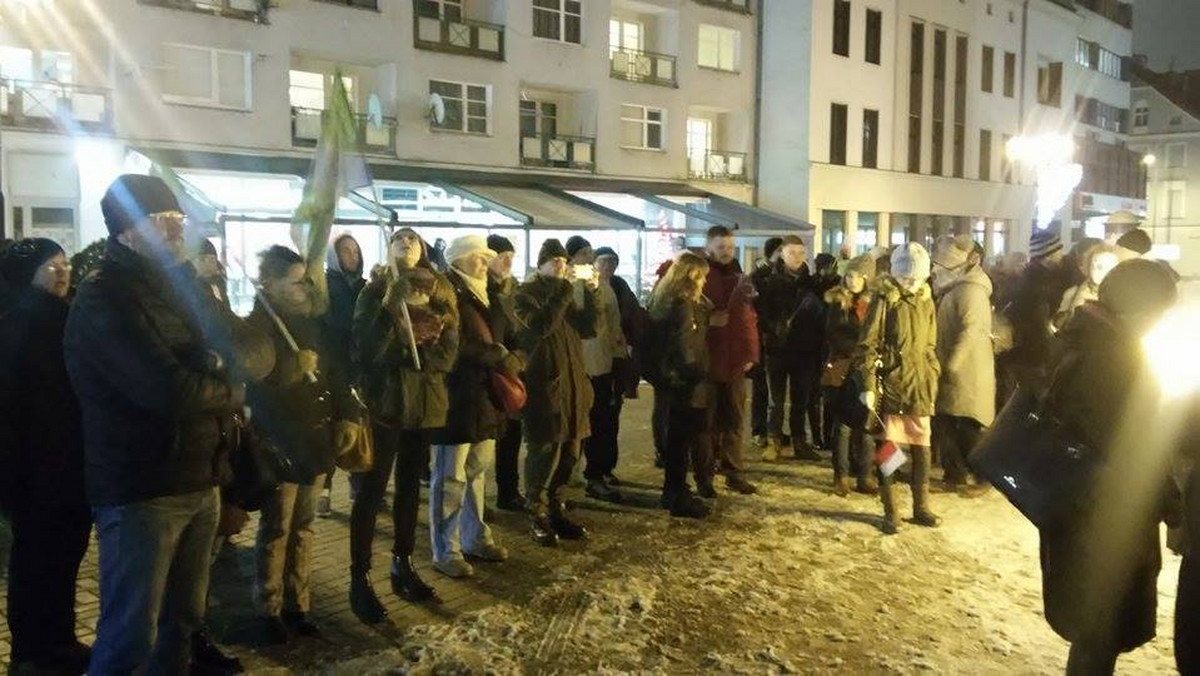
(159, 412)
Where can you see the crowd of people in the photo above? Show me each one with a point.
(137, 404)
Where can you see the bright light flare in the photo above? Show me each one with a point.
(1170, 351)
(1046, 149)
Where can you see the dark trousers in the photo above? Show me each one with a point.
(852, 454)
(953, 439)
(508, 454)
(1187, 616)
(760, 401)
(48, 543)
(685, 425)
(796, 381)
(601, 448)
(407, 451)
(548, 467)
(658, 421)
(830, 426)
(816, 424)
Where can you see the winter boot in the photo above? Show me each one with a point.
(688, 506)
(841, 486)
(922, 515)
(738, 484)
(363, 601)
(705, 489)
(408, 585)
(542, 531)
(802, 450)
(891, 523)
(867, 486)
(565, 527)
(771, 452)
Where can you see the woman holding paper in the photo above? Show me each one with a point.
(900, 373)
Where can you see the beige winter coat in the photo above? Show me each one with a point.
(609, 343)
(967, 386)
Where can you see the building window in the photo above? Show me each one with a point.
(870, 140)
(311, 90)
(916, 86)
(624, 35)
(874, 36)
(1010, 74)
(1176, 155)
(560, 20)
(1141, 114)
(1176, 199)
(1049, 81)
(937, 161)
(200, 76)
(468, 106)
(1083, 52)
(960, 104)
(989, 69)
(699, 144)
(837, 133)
(1094, 57)
(539, 118)
(867, 234)
(841, 27)
(719, 47)
(642, 127)
(833, 230)
(985, 155)
(450, 10)
(1006, 174)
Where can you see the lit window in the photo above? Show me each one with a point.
(201, 76)
(719, 47)
(624, 35)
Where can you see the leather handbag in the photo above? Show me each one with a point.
(361, 456)
(508, 392)
(1034, 461)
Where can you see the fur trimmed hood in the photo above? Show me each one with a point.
(839, 296)
(886, 287)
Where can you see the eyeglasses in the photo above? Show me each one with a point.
(59, 267)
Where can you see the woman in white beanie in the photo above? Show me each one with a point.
(900, 373)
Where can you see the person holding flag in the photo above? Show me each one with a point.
(900, 370)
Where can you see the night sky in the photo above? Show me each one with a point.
(1167, 31)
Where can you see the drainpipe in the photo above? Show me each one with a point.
(758, 96)
(1024, 56)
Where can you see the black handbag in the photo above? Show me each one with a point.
(1034, 461)
(259, 468)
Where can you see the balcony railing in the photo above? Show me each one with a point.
(54, 106)
(456, 36)
(1116, 11)
(717, 165)
(560, 152)
(248, 10)
(372, 139)
(648, 67)
(741, 6)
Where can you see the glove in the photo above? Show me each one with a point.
(868, 400)
(308, 361)
(345, 435)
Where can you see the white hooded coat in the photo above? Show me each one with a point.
(967, 388)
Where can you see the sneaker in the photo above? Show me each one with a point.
(737, 484)
(771, 452)
(600, 490)
(688, 506)
(299, 624)
(490, 553)
(804, 451)
(455, 568)
(324, 506)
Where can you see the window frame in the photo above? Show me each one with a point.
(1170, 155)
(985, 154)
(987, 69)
(563, 14)
(1010, 75)
(873, 36)
(465, 123)
(621, 24)
(645, 123)
(838, 137)
(841, 28)
(214, 100)
(1141, 115)
(721, 31)
(870, 140)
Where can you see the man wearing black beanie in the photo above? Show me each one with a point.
(159, 410)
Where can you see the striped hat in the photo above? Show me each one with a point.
(1044, 243)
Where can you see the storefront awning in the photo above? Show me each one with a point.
(544, 208)
(717, 210)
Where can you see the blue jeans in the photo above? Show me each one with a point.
(154, 558)
(456, 498)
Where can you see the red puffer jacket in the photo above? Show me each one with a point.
(733, 346)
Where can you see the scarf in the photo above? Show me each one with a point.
(478, 287)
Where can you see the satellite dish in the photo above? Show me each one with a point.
(375, 110)
(437, 108)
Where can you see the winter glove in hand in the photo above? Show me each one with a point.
(345, 435)
(308, 361)
(868, 400)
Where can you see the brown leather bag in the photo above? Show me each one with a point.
(508, 392)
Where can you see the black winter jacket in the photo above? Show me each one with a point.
(158, 411)
(343, 295)
(791, 316)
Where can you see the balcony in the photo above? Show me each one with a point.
(647, 67)
(717, 165)
(247, 10)
(372, 139)
(372, 5)
(54, 106)
(559, 152)
(1120, 13)
(466, 37)
(739, 6)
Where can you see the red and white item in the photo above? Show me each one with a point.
(889, 458)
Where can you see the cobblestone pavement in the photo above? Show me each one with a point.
(794, 579)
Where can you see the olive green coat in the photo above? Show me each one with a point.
(397, 393)
(551, 332)
(899, 342)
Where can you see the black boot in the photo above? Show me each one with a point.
(688, 506)
(891, 524)
(207, 658)
(363, 601)
(922, 515)
(511, 502)
(564, 526)
(408, 585)
(542, 531)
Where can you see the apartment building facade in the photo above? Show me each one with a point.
(912, 105)
(509, 115)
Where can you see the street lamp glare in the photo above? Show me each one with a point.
(1149, 159)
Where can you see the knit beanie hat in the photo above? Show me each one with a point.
(825, 260)
(607, 251)
(133, 197)
(1138, 286)
(467, 245)
(952, 251)
(500, 244)
(863, 265)
(551, 248)
(1137, 241)
(771, 246)
(910, 260)
(22, 260)
(1044, 243)
(575, 244)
